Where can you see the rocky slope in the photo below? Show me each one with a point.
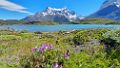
(110, 9)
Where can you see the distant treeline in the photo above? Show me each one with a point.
(84, 21)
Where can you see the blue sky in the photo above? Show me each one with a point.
(17, 9)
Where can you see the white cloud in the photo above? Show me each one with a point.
(13, 7)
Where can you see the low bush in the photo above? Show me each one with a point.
(86, 35)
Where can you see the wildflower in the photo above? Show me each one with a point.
(40, 49)
(43, 47)
(51, 46)
(56, 65)
(46, 46)
(66, 56)
(34, 49)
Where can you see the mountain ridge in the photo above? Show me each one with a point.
(54, 15)
(110, 9)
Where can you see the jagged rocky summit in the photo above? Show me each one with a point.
(54, 15)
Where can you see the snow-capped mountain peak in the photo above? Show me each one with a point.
(62, 12)
(54, 14)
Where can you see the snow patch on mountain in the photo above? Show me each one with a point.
(117, 4)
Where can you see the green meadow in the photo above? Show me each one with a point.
(89, 48)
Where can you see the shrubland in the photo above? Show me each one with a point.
(88, 48)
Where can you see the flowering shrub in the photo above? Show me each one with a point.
(48, 56)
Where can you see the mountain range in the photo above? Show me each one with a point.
(109, 9)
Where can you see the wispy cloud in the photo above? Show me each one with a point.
(5, 4)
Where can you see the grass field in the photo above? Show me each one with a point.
(92, 48)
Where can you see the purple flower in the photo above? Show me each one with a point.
(67, 56)
(46, 46)
(43, 47)
(34, 49)
(51, 46)
(40, 49)
(56, 65)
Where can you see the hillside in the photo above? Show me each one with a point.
(110, 9)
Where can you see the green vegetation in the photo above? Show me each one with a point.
(92, 48)
(42, 23)
(11, 22)
(19, 22)
(99, 21)
(84, 21)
